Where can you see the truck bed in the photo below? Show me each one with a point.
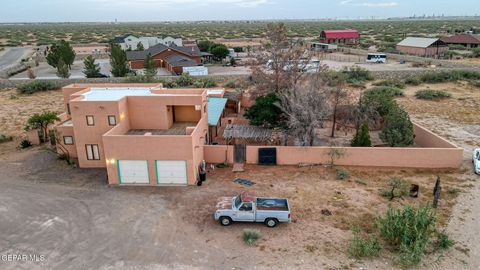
(268, 204)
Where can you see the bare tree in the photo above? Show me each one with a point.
(280, 63)
(306, 108)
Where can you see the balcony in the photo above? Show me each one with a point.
(178, 128)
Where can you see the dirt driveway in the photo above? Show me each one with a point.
(76, 221)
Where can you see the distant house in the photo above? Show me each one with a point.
(467, 40)
(426, 47)
(347, 37)
(130, 42)
(171, 58)
(322, 47)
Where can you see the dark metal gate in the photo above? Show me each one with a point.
(267, 156)
(239, 153)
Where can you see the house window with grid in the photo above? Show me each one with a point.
(90, 120)
(92, 152)
(68, 140)
(112, 120)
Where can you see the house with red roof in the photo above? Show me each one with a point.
(347, 37)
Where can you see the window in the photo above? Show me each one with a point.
(68, 108)
(67, 140)
(90, 120)
(92, 152)
(246, 207)
(112, 120)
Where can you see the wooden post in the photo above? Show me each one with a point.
(436, 192)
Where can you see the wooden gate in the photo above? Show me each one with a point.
(239, 153)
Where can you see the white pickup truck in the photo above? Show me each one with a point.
(248, 208)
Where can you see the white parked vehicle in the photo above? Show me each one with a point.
(380, 58)
(248, 208)
(476, 160)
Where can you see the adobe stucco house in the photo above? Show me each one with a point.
(142, 133)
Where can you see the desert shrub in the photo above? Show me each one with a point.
(357, 74)
(5, 138)
(139, 79)
(475, 83)
(25, 144)
(476, 52)
(385, 90)
(205, 82)
(449, 76)
(397, 187)
(169, 83)
(36, 86)
(415, 80)
(430, 94)
(361, 247)
(184, 80)
(341, 174)
(391, 82)
(443, 241)
(231, 84)
(250, 236)
(408, 230)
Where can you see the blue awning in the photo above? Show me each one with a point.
(215, 109)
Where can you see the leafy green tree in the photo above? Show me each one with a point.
(62, 69)
(61, 50)
(42, 121)
(91, 70)
(266, 111)
(118, 61)
(219, 51)
(149, 65)
(383, 102)
(398, 129)
(204, 45)
(362, 137)
(140, 46)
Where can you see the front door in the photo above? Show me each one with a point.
(245, 212)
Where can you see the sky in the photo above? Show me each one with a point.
(194, 10)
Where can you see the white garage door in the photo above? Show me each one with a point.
(172, 172)
(133, 172)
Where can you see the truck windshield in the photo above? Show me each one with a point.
(238, 201)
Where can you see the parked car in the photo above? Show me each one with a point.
(248, 208)
(476, 160)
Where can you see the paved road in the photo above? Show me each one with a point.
(12, 56)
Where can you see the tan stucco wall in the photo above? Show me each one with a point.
(186, 114)
(437, 153)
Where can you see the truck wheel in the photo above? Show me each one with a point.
(225, 221)
(271, 222)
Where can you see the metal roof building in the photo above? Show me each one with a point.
(427, 47)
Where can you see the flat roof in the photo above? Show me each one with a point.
(113, 94)
(215, 108)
